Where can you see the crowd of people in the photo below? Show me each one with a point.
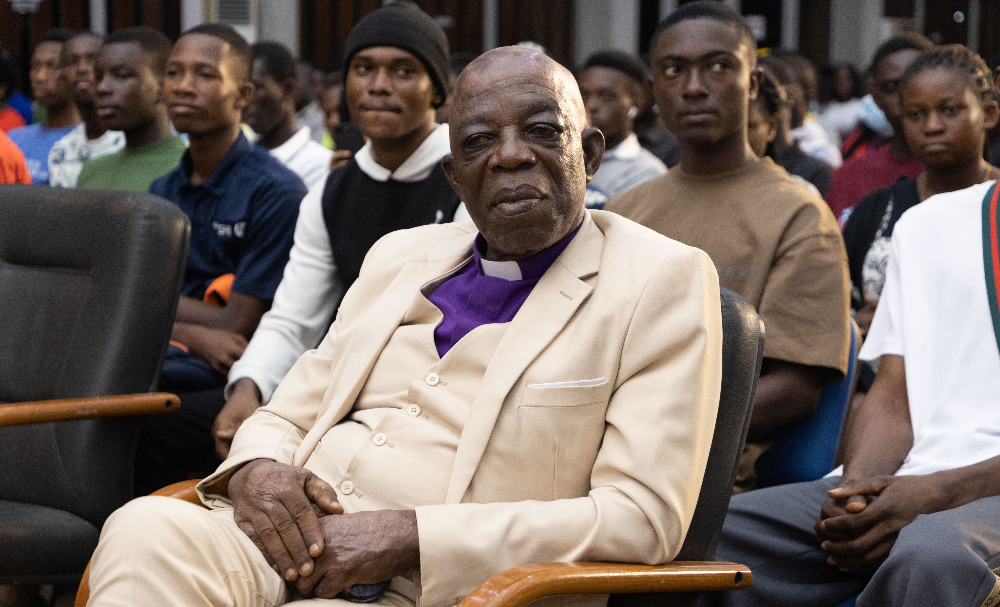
(364, 371)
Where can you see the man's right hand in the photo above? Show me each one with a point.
(244, 400)
(218, 347)
(273, 505)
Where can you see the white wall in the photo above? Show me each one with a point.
(855, 30)
(603, 24)
(279, 21)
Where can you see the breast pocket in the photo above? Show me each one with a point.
(566, 394)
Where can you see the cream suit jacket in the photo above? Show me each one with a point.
(600, 473)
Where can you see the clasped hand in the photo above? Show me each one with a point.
(320, 553)
(861, 519)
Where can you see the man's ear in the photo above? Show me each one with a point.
(755, 77)
(593, 150)
(245, 93)
(991, 113)
(448, 164)
(288, 88)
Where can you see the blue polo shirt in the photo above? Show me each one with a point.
(242, 219)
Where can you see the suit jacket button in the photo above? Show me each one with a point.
(432, 379)
(347, 487)
(413, 410)
(379, 439)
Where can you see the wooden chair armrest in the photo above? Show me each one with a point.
(521, 585)
(183, 490)
(69, 409)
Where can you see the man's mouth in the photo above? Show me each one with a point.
(517, 201)
(182, 108)
(104, 111)
(381, 108)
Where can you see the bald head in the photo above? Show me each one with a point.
(521, 150)
(508, 65)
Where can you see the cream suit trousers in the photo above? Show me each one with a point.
(164, 552)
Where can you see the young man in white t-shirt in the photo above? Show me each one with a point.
(925, 442)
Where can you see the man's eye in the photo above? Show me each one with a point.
(950, 110)
(543, 131)
(405, 71)
(671, 70)
(477, 141)
(362, 69)
(718, 66)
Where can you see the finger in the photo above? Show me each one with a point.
(273, 545)
(856, 504)
(222, 447)
(866, 563)
(330, 586)
(323, 495)
(867, 486)
(306, 584)
(247, 528)
(286, 519)
(858, 546)
(305, 516)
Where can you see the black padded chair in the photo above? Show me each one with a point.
(89, 284)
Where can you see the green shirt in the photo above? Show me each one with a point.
(132, 169)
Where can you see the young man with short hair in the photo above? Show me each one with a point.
(772, 241)
(613, 87)
(52, 93)
(395, 77)
(243, 205)
(90, 138)
(271, 114)
(128, 74)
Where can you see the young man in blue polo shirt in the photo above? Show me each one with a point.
(243, 205)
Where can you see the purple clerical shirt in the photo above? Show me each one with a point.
(485, 292)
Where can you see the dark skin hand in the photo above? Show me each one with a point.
(273, 505)
(244, 400)
(218, 347)
(218, 335)
(787, 393)
(865, 315)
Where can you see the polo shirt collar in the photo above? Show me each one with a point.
(417, 167)
(285, 151)
(216, 182)
(529, 268)
(628, 149)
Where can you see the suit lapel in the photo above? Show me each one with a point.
(551, 305)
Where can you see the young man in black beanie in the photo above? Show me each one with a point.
(395, 77)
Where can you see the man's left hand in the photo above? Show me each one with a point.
(362, 548)
(897, 500)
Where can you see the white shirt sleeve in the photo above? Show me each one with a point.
(886, 333)
(303, 304)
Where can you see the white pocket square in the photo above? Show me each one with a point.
(580, 383)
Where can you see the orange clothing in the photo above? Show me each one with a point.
(10, 119)
(12, 167)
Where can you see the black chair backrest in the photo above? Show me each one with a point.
(89, 284)
(742, 354)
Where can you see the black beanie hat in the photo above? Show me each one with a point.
(410, 29)
(630, 65)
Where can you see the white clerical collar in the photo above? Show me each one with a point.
(507, 270)
(417, 167)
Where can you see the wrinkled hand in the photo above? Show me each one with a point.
(218, 347)
(865, 315)
(340, 158)
(273, 506)
(860, 539)
(363, 548)
(245, 399)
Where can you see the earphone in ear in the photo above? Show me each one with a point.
(633, 112)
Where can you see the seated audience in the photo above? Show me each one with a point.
(884, 165)
(613, 84)
(271, 114)
(798, 76)
(911, 518)
(842, 109)
(397, 66)
(307, 108)
(10, 118)
(53, 94)
(90, 138)
(243, 205)
(948, 107)
(768, 125)
(12, 167)
(425, 419)
(128, 76)
(772, 241)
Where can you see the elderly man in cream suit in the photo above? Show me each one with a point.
(539, 385)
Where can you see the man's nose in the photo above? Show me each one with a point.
(380, 82)
(694, 84)
(933, 123)
(513, 151)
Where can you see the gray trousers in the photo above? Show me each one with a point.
(942, 559)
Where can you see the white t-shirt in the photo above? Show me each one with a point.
(306, 158)
(934, 312)
(67, 155)
(310, 288)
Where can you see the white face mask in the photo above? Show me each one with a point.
(874, 118)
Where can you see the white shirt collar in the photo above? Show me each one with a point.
(285, 151)
(628, 149)
(507, 270)
(417, 167)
